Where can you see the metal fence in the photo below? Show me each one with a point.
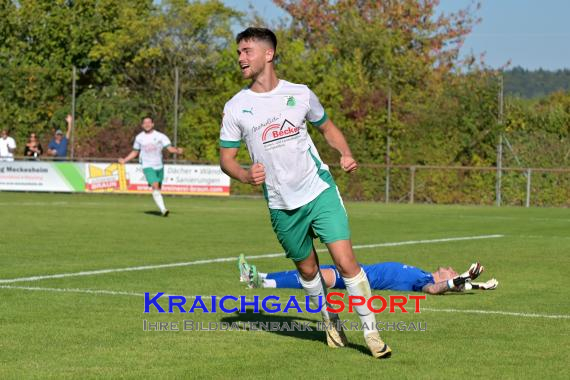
(432, 184)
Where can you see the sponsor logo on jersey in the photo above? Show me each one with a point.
(276, 132)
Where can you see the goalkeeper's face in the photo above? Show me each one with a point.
(446, 273)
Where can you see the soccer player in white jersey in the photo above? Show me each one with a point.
(272, 117)
(149, 144)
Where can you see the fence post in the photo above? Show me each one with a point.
(176, 91)
(499, 170)
(73, 73)
(387, 189)
(389, 110)
(528, 174)
(412, 183)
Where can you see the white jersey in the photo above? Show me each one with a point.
(5, 146)
(273, 126)
(150, 146)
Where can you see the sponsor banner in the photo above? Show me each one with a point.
(110, 178)
(41, 176)
(178, 179)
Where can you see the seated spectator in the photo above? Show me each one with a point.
(7, 146)
(33, 149)
(57, 147)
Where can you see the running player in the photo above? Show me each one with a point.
(149, 144)
(271, 117)
(382, 276)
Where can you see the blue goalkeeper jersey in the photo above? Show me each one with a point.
(391, 276)
(397, 276)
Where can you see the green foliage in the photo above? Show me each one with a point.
(535, 83)
(354, 55)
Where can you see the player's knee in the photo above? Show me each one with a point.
(308, 272)
(348, 268)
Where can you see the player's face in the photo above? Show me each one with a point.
(253, 55)
(446, 273)
(147, 124)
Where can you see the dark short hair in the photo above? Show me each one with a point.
(147, 117)
(260, 34)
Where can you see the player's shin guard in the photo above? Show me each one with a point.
(314, 289)
(359, 286)
(157, 196)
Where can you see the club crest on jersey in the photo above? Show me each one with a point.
(277, 132)
(290, 101)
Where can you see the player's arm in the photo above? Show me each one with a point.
(255, 175)
(438, 288)
(174, 150)
(130, 156)
(12, 146)
(336, 140)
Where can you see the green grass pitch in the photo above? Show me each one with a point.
(45, 333)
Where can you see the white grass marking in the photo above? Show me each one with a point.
(134, 294)
(233, 258)
(498, 312)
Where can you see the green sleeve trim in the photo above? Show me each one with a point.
(229, 144)
(136, 150)
(166, 146)
(320, 122)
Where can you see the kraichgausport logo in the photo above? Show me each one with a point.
(335, 303)
(276, 132)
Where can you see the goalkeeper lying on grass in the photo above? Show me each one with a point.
(382, 276)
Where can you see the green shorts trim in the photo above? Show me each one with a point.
(153, 175)
(324, 217)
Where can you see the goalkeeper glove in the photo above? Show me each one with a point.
(472, 273)
(489, 285)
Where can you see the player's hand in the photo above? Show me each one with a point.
(473, 272)
(256, 174)
(179, 150)
(121, 161)
(348, 164)
(492, 284)
(69, 119)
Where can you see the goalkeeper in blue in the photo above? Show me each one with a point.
(382, 276)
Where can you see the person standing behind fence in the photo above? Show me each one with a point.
(150, 144)
(57, 147)
(33, 149)
(7, 146)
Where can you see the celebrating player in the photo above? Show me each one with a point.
(271, 117)
(149, 144)
(382, 276)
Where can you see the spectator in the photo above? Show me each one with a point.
(57, 147)
(7, 146)
(33, 149)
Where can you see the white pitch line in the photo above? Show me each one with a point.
(133, 294)
(498, 312)
(226, 259)
(94, 291)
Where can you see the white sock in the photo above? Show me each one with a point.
(267, 283)
(359, 286)
(314, 289)
(158, 200)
